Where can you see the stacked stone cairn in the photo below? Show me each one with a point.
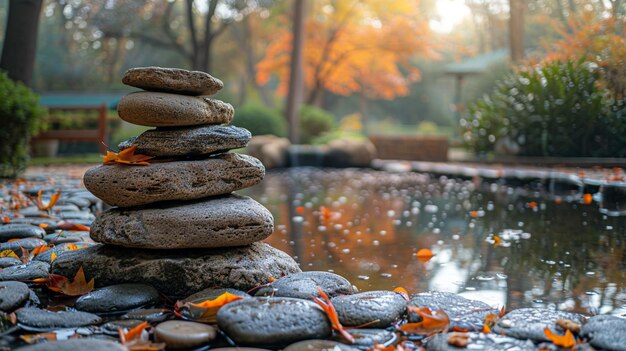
(175, 223)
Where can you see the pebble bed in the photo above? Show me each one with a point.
(281, 314)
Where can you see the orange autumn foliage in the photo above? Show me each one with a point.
(424, 255)
(330, 311)
(206, 311)
(566, 341)
(352, 47)
(127, 157)
(77, 287)
(432, 322)
(43, 206)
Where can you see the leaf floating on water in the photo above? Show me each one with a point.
(127, 157)
(432, 322)
(77, 287)
(424, 255)
(566, 341)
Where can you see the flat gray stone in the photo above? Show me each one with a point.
(171, 110)
(463, 313)
(118, 298)
(67, 237)
(480, 341)
(36, 319)
(20, 231)
(151, 315)
(284, 321)
(319, 345)
(188, 141)
(27, 271)
(9, 261)
(74, 345)
(358, 309)
(605, 332)
(13, 295)
(304, 285)
(122, 185)
(174, 80)
(179, 273)
(62, 249)
(218, 222)
(19, 244)
(529, 323)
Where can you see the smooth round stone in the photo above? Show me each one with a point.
(171, 110)
(35, 319)
(73, 216)
(188, 141)
(67, 237)
(270, 322)
(304, 285)
(27, 271)
(118, 298)
(174, 80)
(20, 231)
(178, 273)
(605, 332)
(227, 221)
(19, 244)
(74, 345)
(366, 339)
(319, 345)
(480, 341)
(150, 315)
(529, 323)
(120, 185)
(361, 308)
(183, 334)
(80, 201)
(463, 313)
(62, 249)
(9, 261)
(13, 295)
(112, 327)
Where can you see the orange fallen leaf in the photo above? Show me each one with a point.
(132, 334)
(474, 214)
(6, 220)
(325, 214)
(77, 287)
(37, 338)
(72, 226)
(424, 255)
(206, 311)
(44, 207)
(332, 315)
(127, 157)
(566, 341)
(532, 205)
(432, 322)
(39, 249)
(496, 240)
(587, 199)
(53, 257)
(300, 210)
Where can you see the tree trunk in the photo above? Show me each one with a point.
(294, 94)
(516, 29)
(20, 41)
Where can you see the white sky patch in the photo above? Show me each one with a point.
(450, 13)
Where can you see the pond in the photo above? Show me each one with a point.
(492, 241)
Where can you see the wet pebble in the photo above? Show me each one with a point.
(272, 322)
(304, 285)
(112, 327)
(480, 341)
(118, 298)
(9, 261)
(358, 309)
(606, 332)
(26, 243)
(61, 249)
(183, 334)
(13, 295)
(319, 345)
(20, 231)
(75, 344)
(200, 315)
(35, 319)
(67, 237)
(366, 339)
(463, 313)
(27, 271)
(529, 323)
(151, 315)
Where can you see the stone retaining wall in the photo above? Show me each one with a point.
(411, 147)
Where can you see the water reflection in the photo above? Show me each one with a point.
(496, 242)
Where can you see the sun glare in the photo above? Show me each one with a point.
(450, 13)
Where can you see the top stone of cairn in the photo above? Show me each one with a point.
(172, 80)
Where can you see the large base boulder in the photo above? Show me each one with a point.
(179, 273)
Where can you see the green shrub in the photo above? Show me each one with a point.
(555, 110)
(260, 120)
(314, 122)
(20, 116)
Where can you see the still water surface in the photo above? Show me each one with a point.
(503, 244)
